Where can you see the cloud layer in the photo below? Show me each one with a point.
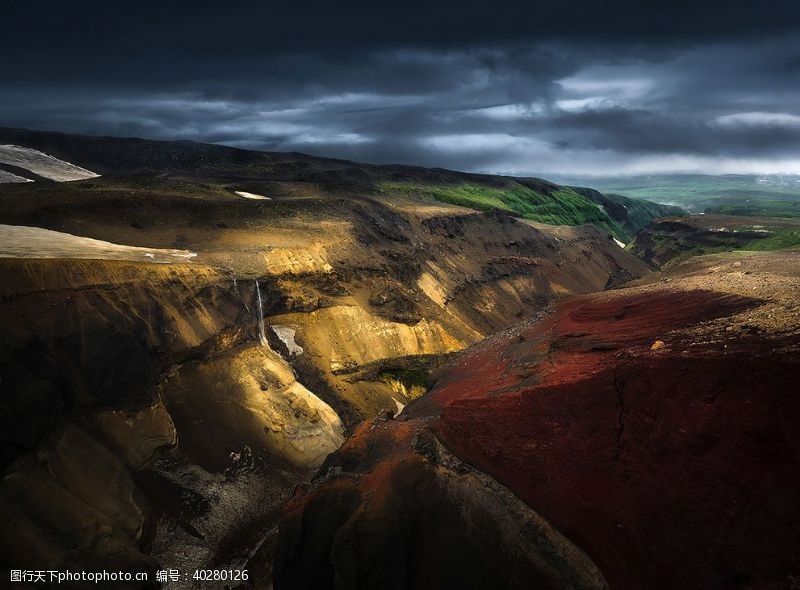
(517, 88)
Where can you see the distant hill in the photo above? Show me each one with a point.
(738, 194)
(293, 174)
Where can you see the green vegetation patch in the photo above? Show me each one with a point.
(683, 249)
(632, 215)
(765, 208)
(782, 239)
(560, 206)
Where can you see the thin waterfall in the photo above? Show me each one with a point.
(262, 336)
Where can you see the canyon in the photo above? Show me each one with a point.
(176, 359)
(338, 375)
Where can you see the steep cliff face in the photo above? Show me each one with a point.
(175, 358)
(643, 437)
(674, 239)
(632, 215)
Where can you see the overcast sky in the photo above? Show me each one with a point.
(562, 87)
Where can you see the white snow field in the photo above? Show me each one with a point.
(43, 164)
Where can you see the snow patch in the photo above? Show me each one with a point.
(247, 195)
(400, 407)
(286, 335)
(6, 177)
(43, 164)
(618, 243)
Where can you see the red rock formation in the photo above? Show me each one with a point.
(673, 467)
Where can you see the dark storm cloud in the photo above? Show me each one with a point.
(556, 87)
(238, 28)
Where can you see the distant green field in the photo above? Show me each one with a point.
(738, 194)
(759, 207)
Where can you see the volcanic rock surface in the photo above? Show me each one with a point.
(643, 437)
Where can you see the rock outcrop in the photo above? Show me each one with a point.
(674, 239)
(622, 463)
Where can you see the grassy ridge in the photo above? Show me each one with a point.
(556, 206)
(640, 212)
(632, 215)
